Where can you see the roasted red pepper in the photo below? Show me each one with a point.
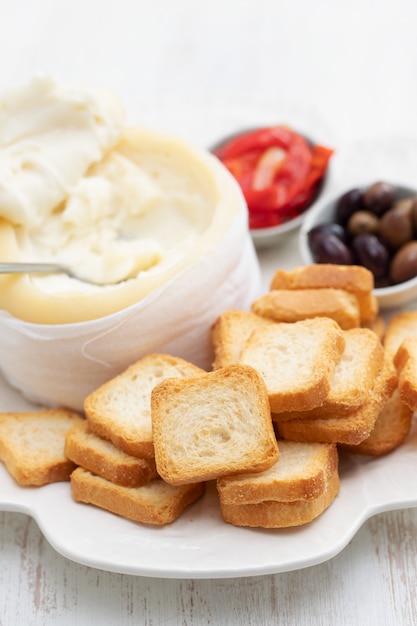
(277, 170)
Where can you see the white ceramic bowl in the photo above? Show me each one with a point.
(59, 362)
(324, 211)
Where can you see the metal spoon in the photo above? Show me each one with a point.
(39, 268)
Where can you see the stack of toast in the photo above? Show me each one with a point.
(114, 449)
(309, 371)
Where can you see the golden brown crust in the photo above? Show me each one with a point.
(401, 326)
(154, 503)
(351, 278)
(391, 429)
(377, 325)
(32, 445)
(292, 305)
(212, 425)
(301, 473)
(229, 334)
(119, 410)
(353, 380)
(354, 278)
(297, 361)
(274, 514)
(405, 361)
(101, 457)
(351, 429)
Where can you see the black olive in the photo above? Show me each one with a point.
(328, 248)
(348, 203)
(379, 197)
(329, 228)
(372, 254)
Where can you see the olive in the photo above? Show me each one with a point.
(396, 226)
(404, 264)
(347, 204)
(413, 212)
(379, 197)
(371, 253)
(363, 222)
(328, 248)
(329, 228)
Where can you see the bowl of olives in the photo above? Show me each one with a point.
(373, 225)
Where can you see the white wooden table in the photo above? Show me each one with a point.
(350, 72)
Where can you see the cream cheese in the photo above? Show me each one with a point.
(114, 204)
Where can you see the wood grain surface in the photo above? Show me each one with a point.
(373, 581)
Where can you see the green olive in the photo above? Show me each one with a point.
(395, 226)
(404, 264)
(363, 222)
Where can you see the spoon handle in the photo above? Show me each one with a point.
(21, 268)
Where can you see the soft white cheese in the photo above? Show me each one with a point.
(72, 197)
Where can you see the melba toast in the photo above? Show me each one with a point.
(294, 491)
(301, 473)
(390, 430)
(32, 445)
(297, 361)
(212, 425)
(101, 457)
(352, 428)
(120, 410)
(154, 503)
(293, 305)
(229, 335)
(353, 378)
(353, 279)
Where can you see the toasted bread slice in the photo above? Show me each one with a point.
(292, 305)
(377, 326)
(352, 428)
(301, 473)
(153, 503)
(398, 328)
(391, 429)
(229, 334)
(212, 425)
(120, 410)
(353, 379)
(274, 514)
(352, 278)
(296, 360)
(405, 360)
(32, 445)
(101, 457)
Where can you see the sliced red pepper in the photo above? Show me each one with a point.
(267, 167)
(261, 138)
(277, 171)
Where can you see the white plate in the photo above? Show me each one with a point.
(200, 544)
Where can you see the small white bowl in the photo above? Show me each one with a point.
(324, 211)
